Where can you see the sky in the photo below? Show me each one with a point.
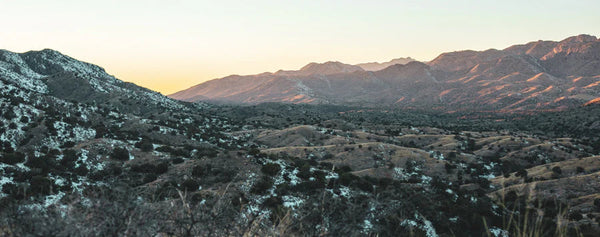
(171, 45)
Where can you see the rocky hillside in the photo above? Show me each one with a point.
(542, 75)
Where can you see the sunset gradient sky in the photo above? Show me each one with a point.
(171, 45)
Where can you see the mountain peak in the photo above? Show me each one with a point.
(376, 66)
(583, 38)
(330, 67)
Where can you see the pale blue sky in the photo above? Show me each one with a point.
(171, 45)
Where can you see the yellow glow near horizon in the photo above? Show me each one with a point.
(171, 45)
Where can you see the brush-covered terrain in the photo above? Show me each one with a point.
(85, 154)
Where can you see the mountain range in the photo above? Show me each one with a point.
(540, 75)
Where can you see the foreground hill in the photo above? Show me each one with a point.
(542, 75)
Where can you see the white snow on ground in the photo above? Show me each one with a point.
(497, 232)
(14, 69)
(291, 201)
(53, 199)
(88, 162)
(427, 226)
(367, 226)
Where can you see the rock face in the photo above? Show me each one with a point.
(541, 75)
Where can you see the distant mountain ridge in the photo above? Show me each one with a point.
(540, 75)
(375, 66)
(326, 68)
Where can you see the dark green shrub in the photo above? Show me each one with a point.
(148, 168)
(145, 145)
(347, 178)
(363, 184)
(68, 144)
(521, 173)
(597, 203)
(45, 164)
(343, 169)
(161, 168)
(576, 216)
(272, 202)
(271, 169)
(261, 186)
(40, 185)
(81, 170)
(208, 152)
(190, 185)
(308, 186)
(12, 158)
(198, 171)
(304, 172)
(149, 178)
(121, 154)
(165, 149)
(253, 152)
(177, 160)
(69, 158)
(556, 170)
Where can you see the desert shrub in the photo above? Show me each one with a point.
(556, 170)
(177, 160)
(449, 167)
(121, 154)
(149, 178)
(261, 186)
(175, 152)
(282, 189)
(81, 170)
(40, 185)
(521, 173)
(45, 164)
(160, 168)
(326, 165)
(190, 185)
(198, 171)
(576, 216)
(343, 169)
(24, 119)
(10, 114)
(270, 169)
(304, 172)
(145, 145)
(328, 156)
(69, 158)
(347, 178)
(165, 148)
(272, 202)
(253, 152)
(68, 144)
(12, 158)
(143, 168)
(308, 187)
(208, 152)
(597, 203)
(363, 184)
